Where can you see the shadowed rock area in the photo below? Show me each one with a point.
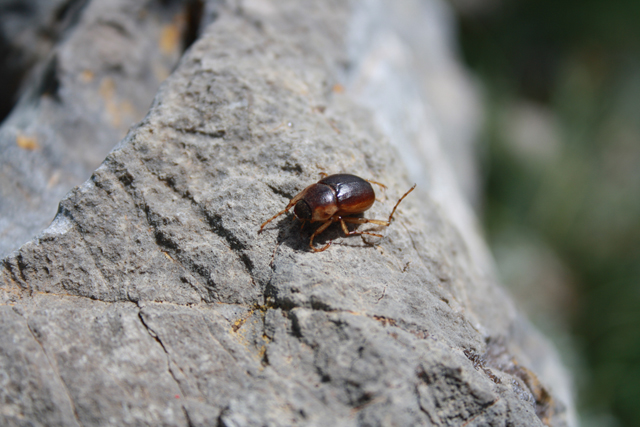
(152, 300)
(81, 97)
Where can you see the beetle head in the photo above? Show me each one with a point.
(302, 210)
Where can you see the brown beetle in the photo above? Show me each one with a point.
(336, 198)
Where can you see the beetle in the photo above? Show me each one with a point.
(336, 198)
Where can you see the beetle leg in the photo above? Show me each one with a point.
(366, 221)
(318, 231)
(378, 221)
(401, 198)
(349, 233)
(344, 227)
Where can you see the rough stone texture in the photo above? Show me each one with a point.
(28, 31)
(151, 300)
(83, 97)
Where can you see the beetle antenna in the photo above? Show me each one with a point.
(376, 183)
(291, 204)
(401, 198)
(272, 218)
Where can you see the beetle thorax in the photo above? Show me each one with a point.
(319, 203)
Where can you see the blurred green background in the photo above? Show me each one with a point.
(561, 152)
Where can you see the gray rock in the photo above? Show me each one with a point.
(28, 31)
(152, 300)
(83, 97)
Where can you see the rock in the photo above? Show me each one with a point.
(151, 299)
(84, 96)
(28, 31)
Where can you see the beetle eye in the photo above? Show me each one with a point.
(302, 210)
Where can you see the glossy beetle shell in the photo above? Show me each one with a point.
(340, 194)
(354, 194)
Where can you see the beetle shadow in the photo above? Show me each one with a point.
(295, 235)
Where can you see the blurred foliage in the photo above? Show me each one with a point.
(562, 81)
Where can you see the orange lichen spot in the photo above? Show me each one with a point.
(86, 76)
(261, 352)
(114, 112)
(27, 142)
(338, 88)
(107, 91)
(241, 321)
(170, 35)
(107, 88)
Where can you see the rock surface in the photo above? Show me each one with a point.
(83, 97)
(151, 300)
(28, 31)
